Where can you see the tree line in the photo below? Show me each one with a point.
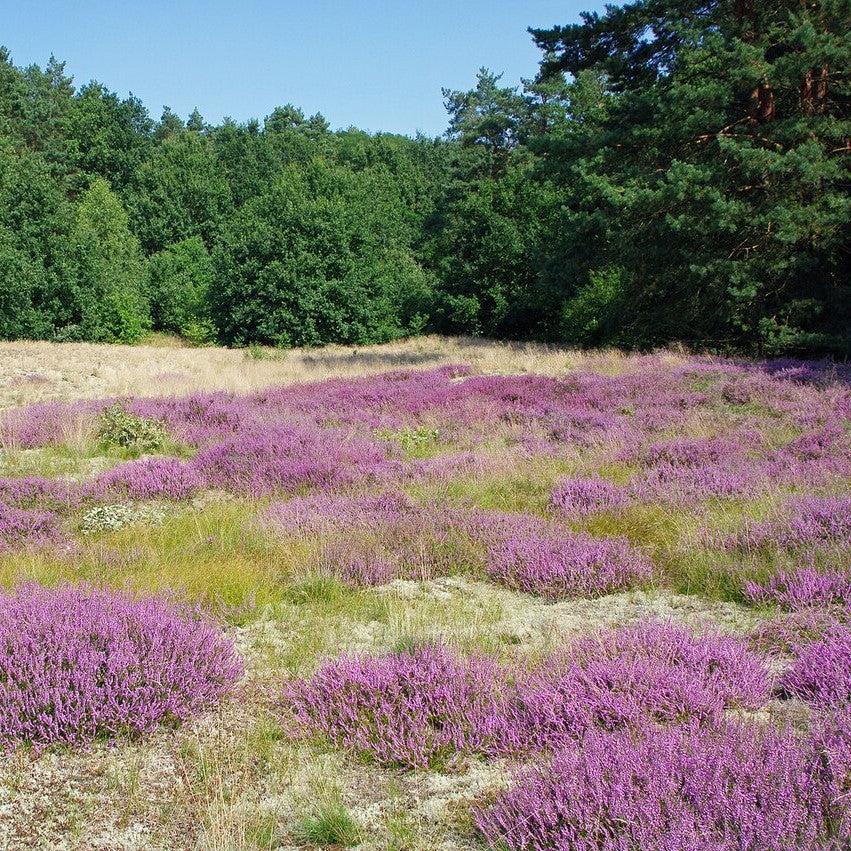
(675, 171)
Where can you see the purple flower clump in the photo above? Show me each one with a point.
(567, 566)
(412, 708)
(580, 497)
(78, 663)
(789, 632)
(802, 589)
(804, 521)
(729, 788)
(652, 672)
(821, 673)
(37, 492)
(415, 708)
(19, 527)
(148, 478)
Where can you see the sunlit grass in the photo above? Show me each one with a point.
(219, 555)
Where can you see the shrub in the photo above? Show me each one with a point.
(805, 521)
(148, 478)
(802, 589)
(788, 633)
(574, 566)
(580, 497)
(414, 708)
(730, 788)
(199, 332)
(424, 705)
(821, 673)
(78, 663)
(120, 429)
(628, 677)
(18, 526)
(109, 518)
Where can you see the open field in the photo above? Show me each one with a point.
(459, 605)
(37, 371)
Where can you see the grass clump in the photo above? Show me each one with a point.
(329, 824)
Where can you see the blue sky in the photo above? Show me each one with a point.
(374, 64)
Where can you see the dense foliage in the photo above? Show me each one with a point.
(677, 171)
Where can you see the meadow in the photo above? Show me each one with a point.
(435, 594)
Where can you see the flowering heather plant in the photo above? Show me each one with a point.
(688, 485)
(789, 632)
(358, 566)
(418, 707)
(728, 788)
(37, 492)
(652, 672)
(805, 521)
(290, 459)
(414, 709)
(45, 424)
(802, 589)
(821, 673)
(78, 663)
(19, 527)
(581, 497)
(567, 566)
(682, 452)
(323, 513)
(148, 478)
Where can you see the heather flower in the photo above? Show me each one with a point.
(683, 452)
(78, 663)
(418, 707)
(730, 788)
(358, 566)
(821, 673)
(580, 497)
(567, 566)
(291, 459)
(802, 589)
(37, 492)
(412, 708)
(804, 521)
(788, 632)
(651, 672)
(148, 478)
(19, 527)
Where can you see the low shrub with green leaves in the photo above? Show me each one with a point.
(119, 429)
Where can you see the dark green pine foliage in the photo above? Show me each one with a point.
(713, 185)
(678, 171)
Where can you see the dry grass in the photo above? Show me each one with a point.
(39, 372)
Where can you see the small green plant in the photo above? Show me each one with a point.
(415, 442)
(257, 352)
(119, 429)
(199, 333)
(329, 824)
(109, 518)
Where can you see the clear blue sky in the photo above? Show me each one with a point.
(374, 64)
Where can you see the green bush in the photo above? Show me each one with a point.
(119, 429)
(587, 316)
(109, 304)
(179, 279)
(199, 332)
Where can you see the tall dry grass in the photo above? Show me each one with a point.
(40, 371)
